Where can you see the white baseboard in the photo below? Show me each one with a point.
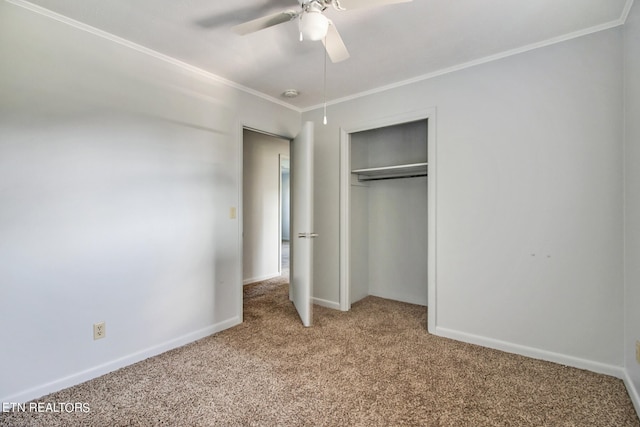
(398, 296)
(634, 393)
(325, 303)
(534, 353)
(91, 373)
(259, 278)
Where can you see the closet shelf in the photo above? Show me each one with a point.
(391, 172)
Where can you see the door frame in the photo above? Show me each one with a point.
(281, 160)
(241, 127)
(345, 202)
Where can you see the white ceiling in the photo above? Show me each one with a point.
(388, 44)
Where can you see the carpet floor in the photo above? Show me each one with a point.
(373, 366)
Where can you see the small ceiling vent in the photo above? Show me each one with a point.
(290, 93)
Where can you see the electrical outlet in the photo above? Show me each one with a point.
(638, 351)
(99, 330)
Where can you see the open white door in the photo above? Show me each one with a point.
(302, 235)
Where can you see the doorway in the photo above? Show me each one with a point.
(266, 206)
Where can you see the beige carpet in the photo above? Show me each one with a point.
(373, 366)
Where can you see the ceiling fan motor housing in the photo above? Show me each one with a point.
(312, 23)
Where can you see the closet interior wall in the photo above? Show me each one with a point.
(388, 223)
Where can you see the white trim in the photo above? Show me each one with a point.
(344, 228)
(145, 50)
(345, 188)
(535, 353)
(432, 212)
(625, 12)
(634, 393)
(239, 129)
(280, 213)
(105, 368)
(260, 278)
(325, 303)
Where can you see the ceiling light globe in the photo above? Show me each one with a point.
(313, 25)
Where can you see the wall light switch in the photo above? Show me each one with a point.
(638, 351)
(232, 213)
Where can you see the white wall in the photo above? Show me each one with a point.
(117, 173)
(632, 201)
(261, 205)
(529, 198)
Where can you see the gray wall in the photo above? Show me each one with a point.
(118, 170)
(632, 200)
(528, 204)
(261, 205)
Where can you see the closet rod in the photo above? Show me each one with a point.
(391, 172)
(380, 178)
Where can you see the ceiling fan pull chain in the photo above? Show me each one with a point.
(324, 120)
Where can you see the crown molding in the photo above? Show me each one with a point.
(607, 25)
(625, 12)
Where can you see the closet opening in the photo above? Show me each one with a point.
(388, 212)
(266, 207)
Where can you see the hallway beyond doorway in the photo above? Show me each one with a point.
(285, 258)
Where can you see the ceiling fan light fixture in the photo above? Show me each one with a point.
(313, 25)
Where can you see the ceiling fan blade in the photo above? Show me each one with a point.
(264, 22)
(357, 4)
(334, 45)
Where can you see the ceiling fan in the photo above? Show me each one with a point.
(313, 24)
